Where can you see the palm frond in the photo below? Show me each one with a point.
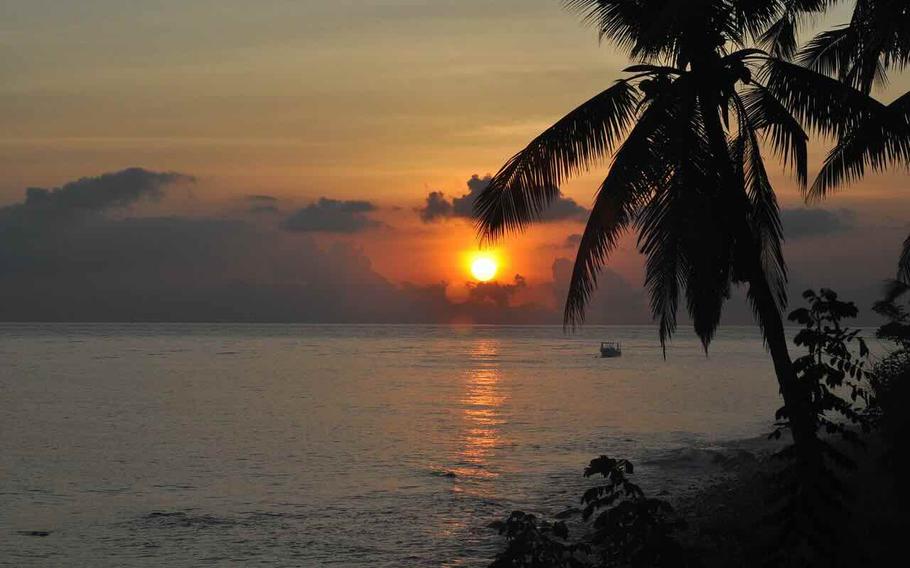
(684, 230)
(825, 105)
(530, 180)
(666, 265)
(876, 40)
(787, 138)
(781, 36)
(830, 52)
(880, 141)
(764, 209)
(621, 21)
(650, 30)
(611, 216)
(636, 169)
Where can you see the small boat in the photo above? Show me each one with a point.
(610, 349)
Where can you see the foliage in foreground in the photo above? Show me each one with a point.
(890, 381)
(810, 502)
(624, 528)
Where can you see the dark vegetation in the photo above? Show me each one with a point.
(713, 83)
(891, 386)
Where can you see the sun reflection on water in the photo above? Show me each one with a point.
(482, 415)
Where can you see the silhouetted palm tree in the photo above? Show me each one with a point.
(687, 170)
(860, 53)
(869, 134)
(781, 37)
(875, 136)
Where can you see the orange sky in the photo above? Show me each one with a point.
(377, 100)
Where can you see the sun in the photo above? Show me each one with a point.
(484, 268)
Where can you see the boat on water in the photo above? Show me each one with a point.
(610, 349)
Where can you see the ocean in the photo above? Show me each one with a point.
(314, 445)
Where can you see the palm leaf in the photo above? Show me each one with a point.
(880, 141)
(635, 170)
(622, 21)
(823, 104)
(781, 36)
(764, 209)
(684, 229)
(876, 40)
(787, 138)
(530, 180)
(830, 52)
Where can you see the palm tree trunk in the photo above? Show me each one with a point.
(797, 401)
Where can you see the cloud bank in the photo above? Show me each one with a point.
(82, 252)
(805, 222)
(105, 267)
(437, 207)
(333, 216)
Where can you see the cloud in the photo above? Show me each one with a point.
(100, 193)
(99, 267)
(190, 269)
(262, 204)
(102, 267)
(804, 222)
(99, 261)
(437, 207)
(332, 216)
(495, 293)
(52, 211)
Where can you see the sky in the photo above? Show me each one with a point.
(315, 160)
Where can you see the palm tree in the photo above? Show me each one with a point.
(869, 134)
(860, 53)
(683, 127)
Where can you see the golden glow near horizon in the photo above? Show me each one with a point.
(484, 267)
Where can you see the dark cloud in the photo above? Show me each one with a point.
(487, 303)
(97, 194)
(104, 268)
(333, 216)
(262, 204)
(188, 269)
(100, 266)
(495, 293)
(438, 207)
(804, 222)
(49, 212)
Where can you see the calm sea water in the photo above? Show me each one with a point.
(188, 445)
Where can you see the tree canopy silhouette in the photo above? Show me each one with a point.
(683, 129)
(870, 135)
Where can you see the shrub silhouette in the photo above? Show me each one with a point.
(625, 528)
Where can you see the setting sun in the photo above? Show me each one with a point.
(484, 268)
